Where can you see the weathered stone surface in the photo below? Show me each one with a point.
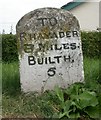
(50, 51)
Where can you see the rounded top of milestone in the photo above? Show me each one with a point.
(48, 19)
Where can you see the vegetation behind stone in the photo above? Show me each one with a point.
(90, 46)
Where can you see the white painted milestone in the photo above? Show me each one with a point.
(50, 51)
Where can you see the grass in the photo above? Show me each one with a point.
(91, 72)
(29, 105)
(18, 104)
(10, 77)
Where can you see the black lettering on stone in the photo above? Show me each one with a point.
(61, 34)
(33, 36)
(42, 21)
(28, 48)
(58, 58)
(50, 61)
(46, 35)
(75, 33)
(53, 21)
(30, 37)
(73, 46)
(67, 58)
(46, 61)
(53, 35)
(68, 34)
(40, 61)
(57, 47)
(23, 36)
(40, 36)
(51, 47)
(41, 46)
(65, 46)
(31, 60)
(52, 71)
